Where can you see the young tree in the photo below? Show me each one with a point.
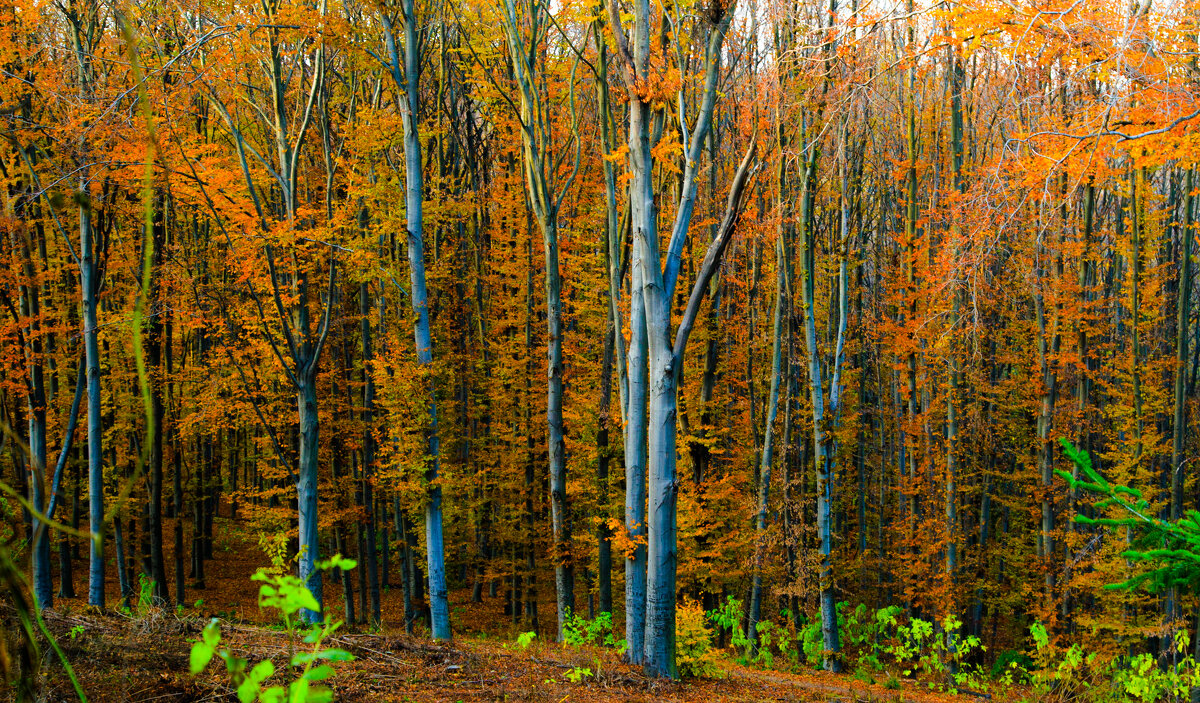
(405, 71)
(546, 189)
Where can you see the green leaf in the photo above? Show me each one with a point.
(274, 694)
(306, 600)
(248, 691)
(319, 673)
(211, 633)
(336, 655)
(202, 654)
(298, 691)
(262, 670)
(319, 694)
(337, 561)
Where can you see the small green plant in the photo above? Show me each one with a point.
(1144, 680)
(76, 631)
(728, 616)
(789, 643)
(525, 639)
(579, 631)
(1058, 674)
(1072, 674)
(274, 544)
(940, 657)
(145, 599)
(766, 631)
(892, 683)
(577, 674)
(862, 631)
(812, 641)
(289, 595)
(1014, 664)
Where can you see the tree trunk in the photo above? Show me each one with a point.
(405, 74)
(155, 352)
(306, 492)
(764, 480)
(635, 449)
(368, 454)
(89, 285)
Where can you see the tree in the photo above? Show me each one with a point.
(546, 189)
(405, 74)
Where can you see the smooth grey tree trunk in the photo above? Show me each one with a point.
(155, 351)
(635, 474)
(405, 73)
(439, 608)
(638, 363)
(1182, 320)
(95, 432)
(306, 491)
(656, 287)
(764, 480)
(823, 418)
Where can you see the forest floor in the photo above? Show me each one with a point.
(143, 658)
(120, 658)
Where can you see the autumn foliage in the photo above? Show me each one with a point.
(967, 231)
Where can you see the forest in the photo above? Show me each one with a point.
(599, 350)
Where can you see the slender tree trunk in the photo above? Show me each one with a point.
(603, 532)
(823, 423)
(155, 354)
(177, 473)
(1182, 321)
(347, 578)
(560, 519)
(123, 584)
(31, 334)
(955, 372)
(405, 74)
(764, 481)
(368, 453)
(89, 285)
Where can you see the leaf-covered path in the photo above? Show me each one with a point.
(126, 659)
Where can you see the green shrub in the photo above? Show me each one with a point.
(766, 635)
(1019, 663)
(728, 616)
(579, 631)
(289, 595)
